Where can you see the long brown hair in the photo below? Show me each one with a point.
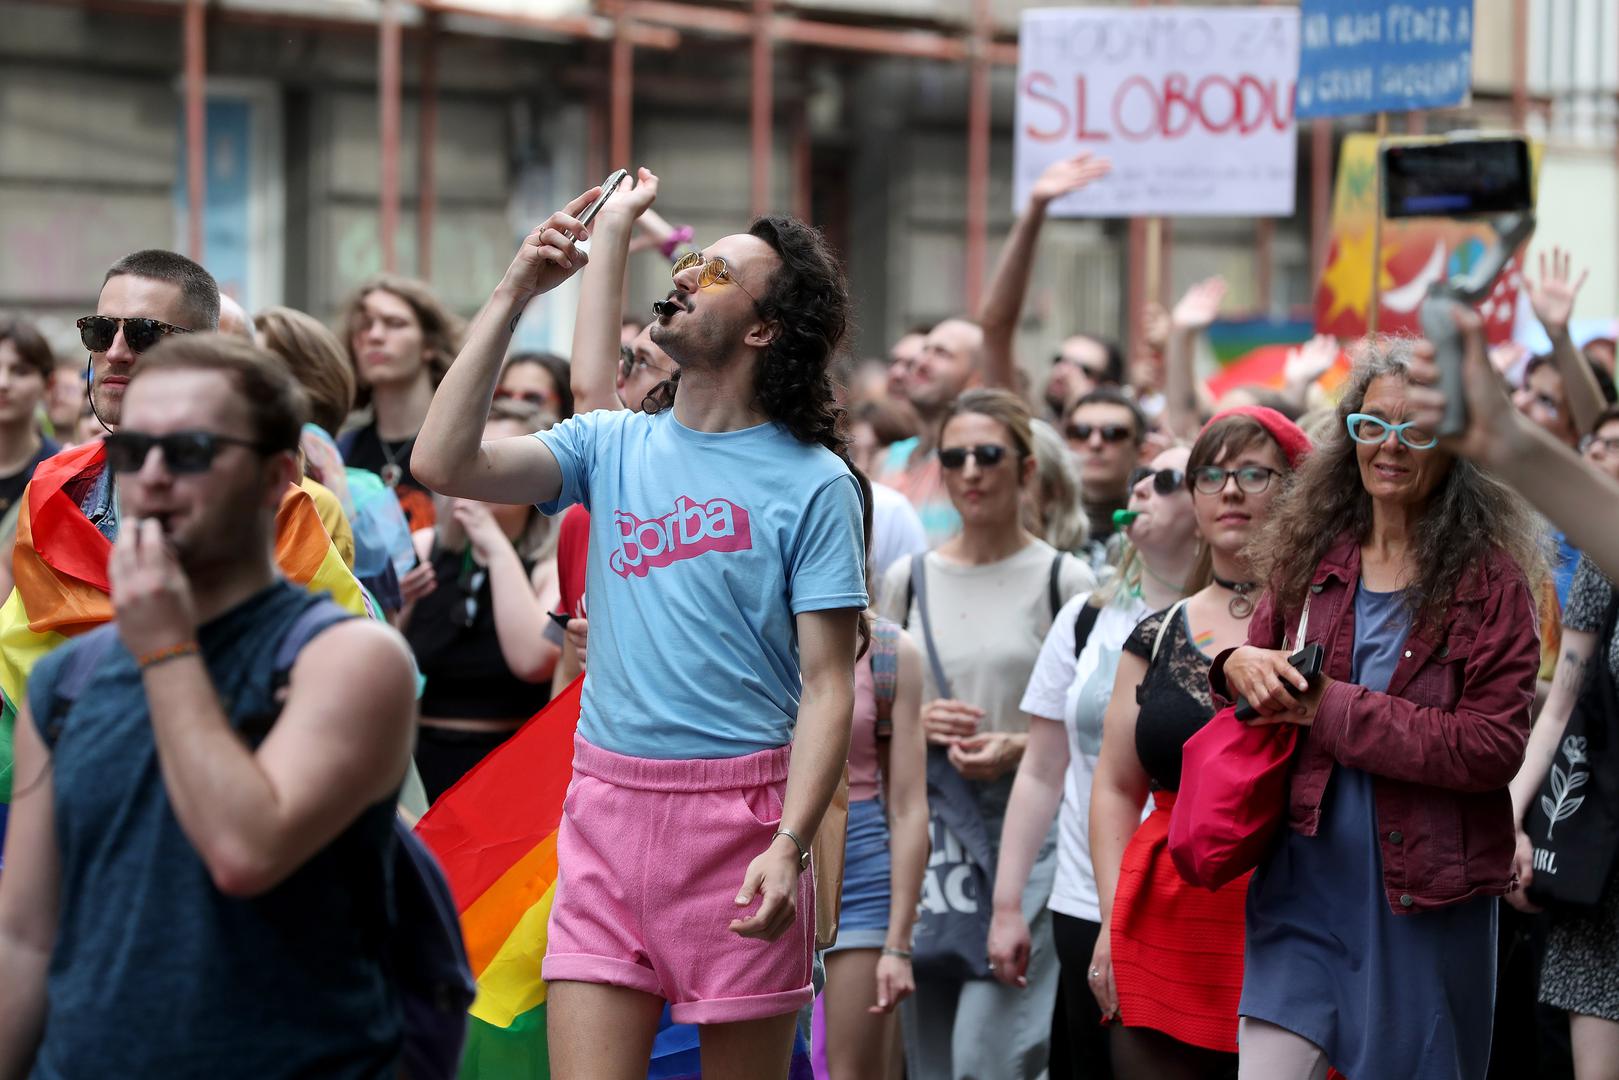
(317, 361)
(1469, 515)
(442, 329)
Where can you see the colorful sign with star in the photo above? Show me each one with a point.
(1415, 253)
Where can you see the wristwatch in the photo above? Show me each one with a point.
(803, 852)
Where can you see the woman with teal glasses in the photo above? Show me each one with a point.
(1371, 924)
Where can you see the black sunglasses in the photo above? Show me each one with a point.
(1096, 374)
(1113, 433)
(1164, 481)
(987, 456)
(1211, 479)
(183, 451)
(98, 331)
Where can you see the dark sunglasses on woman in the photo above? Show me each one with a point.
(1164, 481)
(1112, 433)
(98, 331)
(987, 456)
(183, 451)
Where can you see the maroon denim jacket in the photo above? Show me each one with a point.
(1441, 744)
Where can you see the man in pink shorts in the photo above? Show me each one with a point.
(726, 580)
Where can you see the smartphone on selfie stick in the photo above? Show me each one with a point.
(1470, 177)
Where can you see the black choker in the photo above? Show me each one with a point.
(1240, 606)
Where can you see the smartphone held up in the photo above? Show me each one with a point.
(1472, 176)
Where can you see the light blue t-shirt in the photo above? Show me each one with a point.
(703, 548)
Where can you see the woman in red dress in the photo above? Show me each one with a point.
(1168, 963)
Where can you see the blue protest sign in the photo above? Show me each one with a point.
(1367, 56)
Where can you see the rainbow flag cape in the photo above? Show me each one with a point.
(495, 835)
(60, 566)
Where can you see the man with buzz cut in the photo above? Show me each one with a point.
(70, 514)
(726, 581)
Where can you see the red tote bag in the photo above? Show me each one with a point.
(1233, 794)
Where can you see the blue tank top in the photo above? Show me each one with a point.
(155, 971)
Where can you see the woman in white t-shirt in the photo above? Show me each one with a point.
(1073, 680)
(992, 592)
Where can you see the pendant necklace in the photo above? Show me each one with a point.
(393, 472)
(1240, 606)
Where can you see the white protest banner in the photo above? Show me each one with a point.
(1193, 105)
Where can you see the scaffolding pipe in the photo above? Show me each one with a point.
(389, 90)
(1264, 254)
(1520, 64)
(792, 30)
(1320, 196)
(978, 107)
(621, 106)
(762, 107)
(803, 164)
(195, 36)
(427, 149)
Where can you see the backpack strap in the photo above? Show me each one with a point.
(1084, 623)
(1054, 585)
(1163, 627)
(315, 618)
(885, 673)
(919, 584)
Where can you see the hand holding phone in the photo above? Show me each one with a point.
(1307, 662)
(609, 186)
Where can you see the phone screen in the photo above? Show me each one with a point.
(1458, 178)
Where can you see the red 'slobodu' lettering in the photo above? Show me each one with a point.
(1170, 109)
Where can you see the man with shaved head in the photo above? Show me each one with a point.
(951, 360)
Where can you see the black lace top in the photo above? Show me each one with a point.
(1174, 696)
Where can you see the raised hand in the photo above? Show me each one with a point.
(550, 254)
(1553, 296)
(483, 531)
(1310, 361)
(630, 201)
(1197, 309)
(1068, 176)
(1491, 419)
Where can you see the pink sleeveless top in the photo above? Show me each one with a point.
(863, 735)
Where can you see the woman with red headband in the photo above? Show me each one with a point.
(1168, 963)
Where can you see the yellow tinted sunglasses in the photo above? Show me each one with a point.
(713, 270)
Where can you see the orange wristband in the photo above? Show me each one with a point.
(173, 652)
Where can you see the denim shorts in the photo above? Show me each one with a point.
(863, 918)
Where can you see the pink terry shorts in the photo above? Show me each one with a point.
(650, 857)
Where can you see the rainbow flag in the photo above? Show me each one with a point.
(495, 835)
(60, 566)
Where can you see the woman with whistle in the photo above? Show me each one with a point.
(1167, 965)
(1371, 925)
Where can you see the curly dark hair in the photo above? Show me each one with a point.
(808, 301)
(1469, 515)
